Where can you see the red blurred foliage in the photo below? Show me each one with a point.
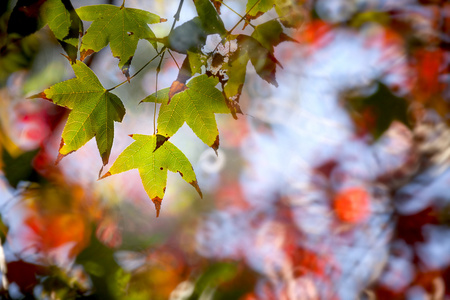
(230, 196)
(352, 205)
(58, 229)
(316, 35)
(108, 232)
(428, 65)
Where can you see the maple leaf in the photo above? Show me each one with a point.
(120, 27)
(153, 165)
(94, 111)
(261, 58)
(195, 105)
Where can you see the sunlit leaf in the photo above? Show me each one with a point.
(120, 27)
(196, 106)
(94, 111)
(153, 165)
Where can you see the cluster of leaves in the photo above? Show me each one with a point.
(215, 78)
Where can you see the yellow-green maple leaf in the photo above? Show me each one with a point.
(153, 165)
(94, 111)
(195, 105)
(120, 27)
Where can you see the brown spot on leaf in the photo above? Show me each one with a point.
(197, 188)
(161, 168)
(175, 88)
(161, 20)
(85, 53)
(157, 201)
(180, 173)
(130, 135)
(215, 145)
(107, 174)
(130, 33)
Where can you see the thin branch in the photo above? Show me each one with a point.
(176, 16)
(174, 59)
(238, 14)
(245, 16)
(125, 81)
(234, 27)
(158, 69)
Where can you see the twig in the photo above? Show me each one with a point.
(142, 68)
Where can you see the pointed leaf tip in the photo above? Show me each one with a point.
(58, 159)
(197, 188)
(107, 174)
(41, 95)
(157, 201)
(215, 145)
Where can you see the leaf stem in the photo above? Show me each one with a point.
(174, 59)
(158, 69)
(142, 68)
(123, 4)
(238, 14)
(243, 17)
(176, 16)
(234, 27)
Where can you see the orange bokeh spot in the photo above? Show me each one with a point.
(352, 205)
(58, 229)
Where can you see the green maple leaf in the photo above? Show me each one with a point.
(153, 165)
(195, 105)
(261, 58)
(94, 111)
(118, 26)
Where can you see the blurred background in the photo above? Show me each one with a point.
(333, 185)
